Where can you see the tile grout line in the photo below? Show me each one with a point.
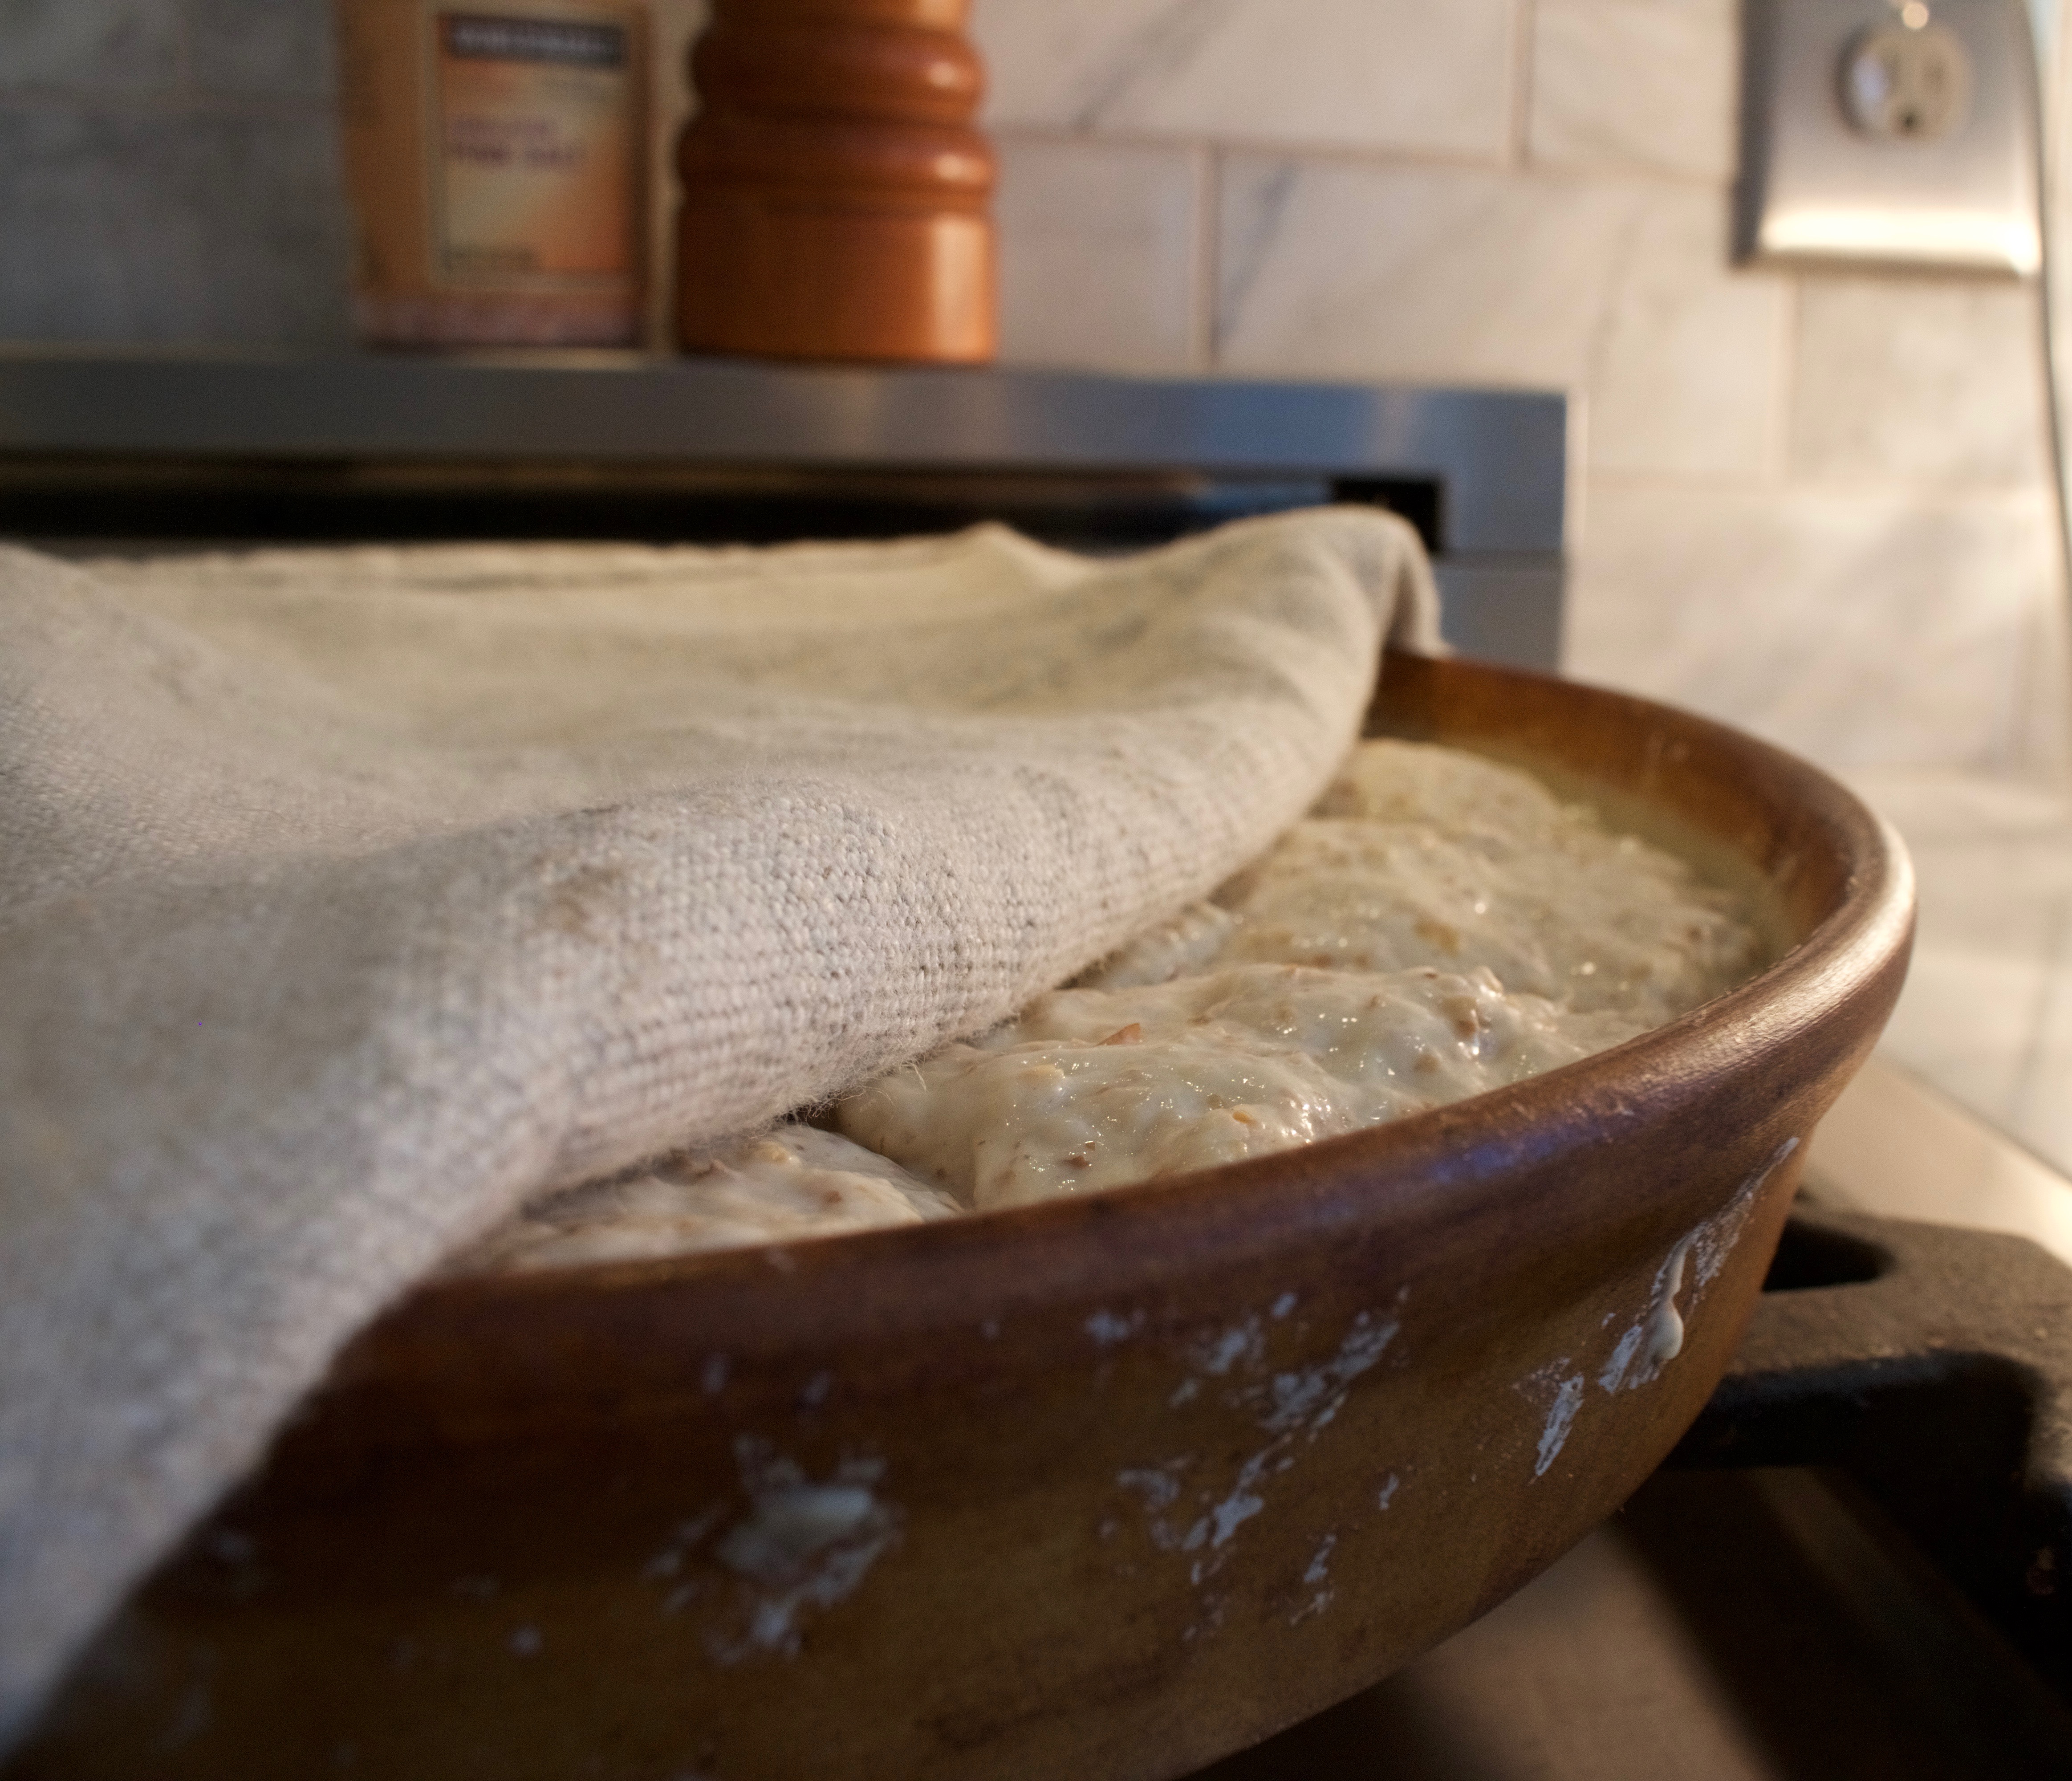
(171, 102)
(1207, 257)
(1524, 25)
(1784, 382)
(2039, 1024)
(1375, 156)
(1934, 496)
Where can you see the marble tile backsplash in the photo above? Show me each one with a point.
(1405, 77)
(1917, 380)
(262, 49)
(101, 48)
(1335, 268)
(1097, 260)
(1813, 505)
(1862, 627)
(225, 226)
(1647, 86)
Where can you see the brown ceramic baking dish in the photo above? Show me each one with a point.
(1103, 1487)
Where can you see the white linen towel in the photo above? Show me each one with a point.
(349, 898)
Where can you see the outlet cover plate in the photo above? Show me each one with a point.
(1817, 189)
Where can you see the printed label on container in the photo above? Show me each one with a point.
(536, 128)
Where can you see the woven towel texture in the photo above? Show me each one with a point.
(349, 898)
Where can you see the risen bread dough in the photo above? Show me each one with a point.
(1542, 895)
(1441, 925)
(797, 1182)
(1095, 1088)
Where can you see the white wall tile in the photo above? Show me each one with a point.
(110, 45)
(1984, 1013)
(1635, 84)
(1406, 75)
(1873, 629)
(149, 225)
(1057, 64)
(1099, 253)
(2041, 1114)
(2043, 749)
(1331, 268)
(1966, 1021)
(1927, 379)
(273, 49)
(1686, 374)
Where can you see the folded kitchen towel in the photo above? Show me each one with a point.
(348, 898)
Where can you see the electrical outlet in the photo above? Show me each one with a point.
(1899, 133)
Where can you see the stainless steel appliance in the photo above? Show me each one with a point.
(98, 448)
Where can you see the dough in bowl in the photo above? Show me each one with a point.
(1440, 925)
(796, 1181)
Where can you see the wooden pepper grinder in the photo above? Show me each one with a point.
(835, 192)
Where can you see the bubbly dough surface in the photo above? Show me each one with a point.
(1553, 904)
(797, 1182)
(1442, 925)
(1094, 1088)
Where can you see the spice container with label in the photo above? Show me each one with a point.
(496, 157)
